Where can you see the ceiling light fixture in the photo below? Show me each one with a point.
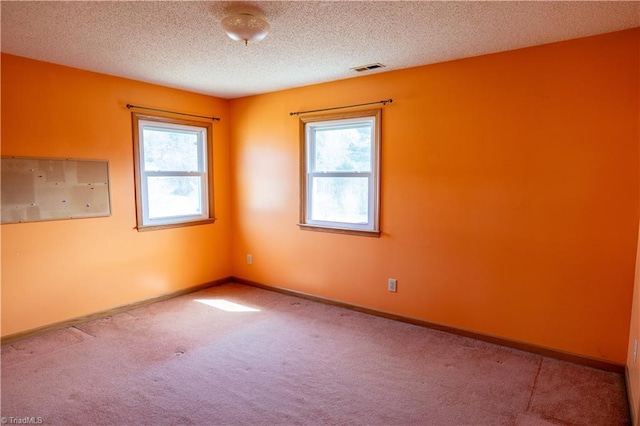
(245, 27)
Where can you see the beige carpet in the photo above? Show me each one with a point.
(237, 355)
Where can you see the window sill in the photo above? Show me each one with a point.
(358, 232)
(145, 228)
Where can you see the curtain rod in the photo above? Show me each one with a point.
(388, 101)
(129, 106)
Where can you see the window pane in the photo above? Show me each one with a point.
(340, 199)
(170, 150)
(343, 149)
(174, 196)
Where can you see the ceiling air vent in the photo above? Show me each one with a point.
(369, 67)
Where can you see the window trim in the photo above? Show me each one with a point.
(376, 114)
(136, 119)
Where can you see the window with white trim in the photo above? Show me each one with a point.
(340, 185)
(173, 164)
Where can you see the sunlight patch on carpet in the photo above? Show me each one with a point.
(226, 305)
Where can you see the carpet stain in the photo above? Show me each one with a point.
(572, 394)
(108, 324)
(535, 383)
(81, 332)
(41, 346)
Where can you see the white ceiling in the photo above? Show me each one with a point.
(181, 43)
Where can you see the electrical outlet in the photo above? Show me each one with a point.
(635, 351)
(249, 259)
(392, 285)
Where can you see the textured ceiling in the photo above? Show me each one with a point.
(181, 43)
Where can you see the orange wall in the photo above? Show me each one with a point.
(633, 367)
(52, 271)
(509, 195)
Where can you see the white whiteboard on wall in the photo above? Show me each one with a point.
(37, 189)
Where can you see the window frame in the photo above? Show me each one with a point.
(374, 184)
(143, 222)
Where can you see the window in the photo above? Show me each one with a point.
(173, 170)
(340, 173)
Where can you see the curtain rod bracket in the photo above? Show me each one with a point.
(384, 102)
(129, 106)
